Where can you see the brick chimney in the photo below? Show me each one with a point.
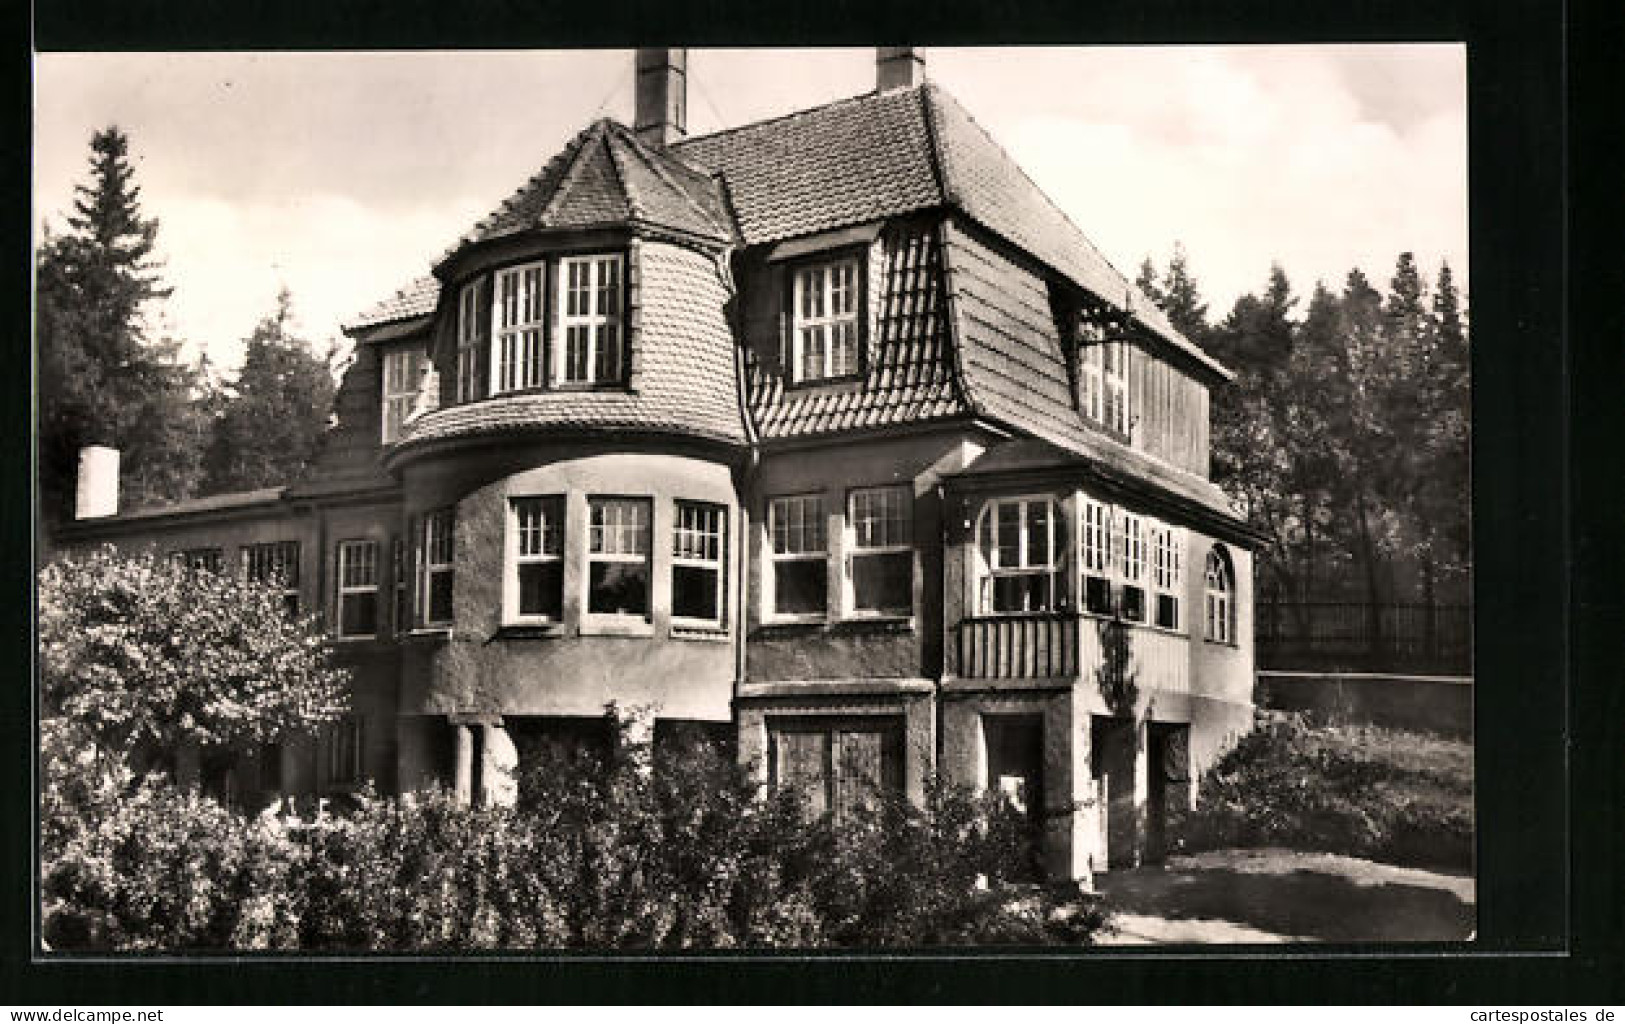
(96, 495)
(662, 95)
(898, 67)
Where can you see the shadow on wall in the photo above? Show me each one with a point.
(1116, 678)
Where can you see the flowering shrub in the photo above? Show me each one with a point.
(634, 848)
(1399, 797)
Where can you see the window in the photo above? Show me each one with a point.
(472, 329)
(699, 535)
(1098, 561)
(1018, 549)
(436, 554)
(358, 588)
(882, 555)
(618, 556)
(1220, 586)
(401, 610)
(797, 553)
(1131, 602)
(342, 752)
(839, 766)
(207, 559)
(590, 318)
(537, 584)
(275, 564)
(401, 369)
(1166, 573)
(1114, 384)
(824, 332)
(1091, 345)
(518, 304)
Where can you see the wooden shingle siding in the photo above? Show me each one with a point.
(1169, 410)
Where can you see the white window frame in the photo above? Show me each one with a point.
(862, 542)
(777, 512)
(402, 366)
(437, 556)
(518, 339)
(594, 319)
(692, 537)
(826, 318)
(272, 555)
(1099, 550)
(345, 550)
(516, 556)
(1132, 564)
(470, 341)
(1090, 380)
(598, 533)
(1167, 572)
(1219, 587)
(991, 569)
(1114, 385)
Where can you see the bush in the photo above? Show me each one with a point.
(625, 849)
(1386, 795)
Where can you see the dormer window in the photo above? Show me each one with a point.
(518, 326)
(401, 369)
(472, 331)
(590, 321)
(824, 333)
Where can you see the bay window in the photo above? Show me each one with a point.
(1017, 542)
(798, 557)
(699, 537)
(590, 320)
(436, 556)
(535, 581)
(275, 564)
(882, 554)
(618, 556)
(1166, 573)
(401, 368)
(518, 303)
(473, 326)
(1131, 600)
(357, 588)
(825, 315)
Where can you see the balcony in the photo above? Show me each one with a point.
(1069, 645)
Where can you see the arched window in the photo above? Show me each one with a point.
(1022, 544)
(1221, 603)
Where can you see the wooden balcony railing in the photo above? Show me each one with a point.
(1019, 646)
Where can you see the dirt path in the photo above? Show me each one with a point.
(1252, 896)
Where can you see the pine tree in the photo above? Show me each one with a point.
(100, 380)
(1182, 299)
(1146, 281)
(269, 427)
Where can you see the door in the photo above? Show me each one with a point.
(1111, 758)
(1015, 770)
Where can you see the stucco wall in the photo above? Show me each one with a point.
(581, 664)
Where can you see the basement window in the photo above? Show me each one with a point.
(535, 585)
(358, 588)
(825, 317)
(699, 536)
(618, 557)
(882, 551)
(800, 567)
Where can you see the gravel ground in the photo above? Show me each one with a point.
(1272, 896)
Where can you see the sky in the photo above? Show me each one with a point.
(343, 175)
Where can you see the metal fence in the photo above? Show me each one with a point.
(1353, 636)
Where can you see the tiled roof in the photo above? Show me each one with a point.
(415, 299)
(885, 154)
(606, 176)
(1013, 369)
(909, 372)
(682, 370)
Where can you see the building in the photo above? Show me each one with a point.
(829, 434)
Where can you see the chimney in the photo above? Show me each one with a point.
(97, 493)
(898, 67)
(662, 95)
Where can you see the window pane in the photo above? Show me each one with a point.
(1038, 533)
(1097, 595)
(618, 588)
(843, 356)
(541, 589)
(800, 587)
(883, 583)
(694, 592)
(358, 614)
(1024, 592)
(1134, 603)
(440, 589)
(1167, 611)
(1009, 534)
